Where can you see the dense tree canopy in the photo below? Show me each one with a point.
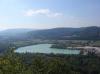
(12, 63)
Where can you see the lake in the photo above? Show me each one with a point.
(45, 48)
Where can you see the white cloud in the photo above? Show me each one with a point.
(45, 12)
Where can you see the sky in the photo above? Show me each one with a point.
(41, 14)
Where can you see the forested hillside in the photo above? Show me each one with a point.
(85, 33)
(12, 63)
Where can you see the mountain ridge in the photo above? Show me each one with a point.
(84, 33)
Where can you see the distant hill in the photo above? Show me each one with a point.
(55, 33)
(84, 33)
(89, 33)
(12, 32)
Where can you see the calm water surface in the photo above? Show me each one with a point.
(45, 48)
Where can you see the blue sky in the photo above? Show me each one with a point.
(40, 14)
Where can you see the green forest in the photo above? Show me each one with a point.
(26, 63)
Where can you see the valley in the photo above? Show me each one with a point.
(44, 53)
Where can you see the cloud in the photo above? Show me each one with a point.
(45, 12)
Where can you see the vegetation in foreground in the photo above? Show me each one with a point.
(14, 63)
